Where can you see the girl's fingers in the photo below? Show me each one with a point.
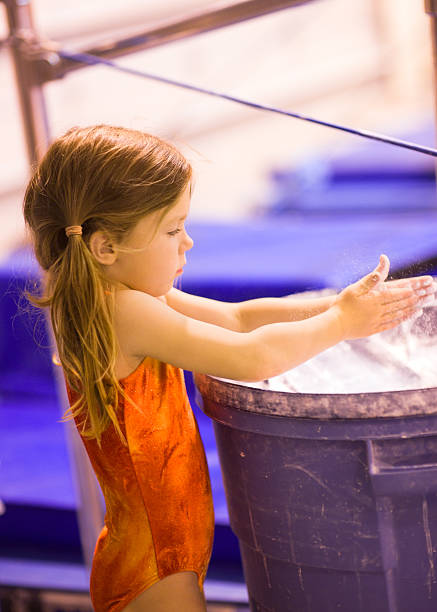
(383, 267)
(428, 301)
(379, 274)
(416, 282)
(423, 281)
(401, 309)
(395, 294)
(401, 282)
(394, 322)
(404, 299)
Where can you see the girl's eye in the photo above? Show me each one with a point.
(174, 232)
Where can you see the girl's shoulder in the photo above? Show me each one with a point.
(133, 310)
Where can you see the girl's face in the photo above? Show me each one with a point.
(158, 253)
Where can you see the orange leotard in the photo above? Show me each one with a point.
(159, 514)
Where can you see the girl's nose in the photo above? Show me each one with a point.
(188, 242)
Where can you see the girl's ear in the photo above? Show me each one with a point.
(102, 248)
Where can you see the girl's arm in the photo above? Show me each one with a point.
(263, 311)
(248, 315)
(224, 314)
(254, 313)
(251, 314)
(146, 326)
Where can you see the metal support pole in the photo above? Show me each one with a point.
(27, 54)
(431, 9)
(23, 38)
(91, 506)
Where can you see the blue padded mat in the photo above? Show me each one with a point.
(371, 178)
(279, 256)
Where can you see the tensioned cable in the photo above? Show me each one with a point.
(86, 58)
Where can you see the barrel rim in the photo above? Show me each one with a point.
(364, 405)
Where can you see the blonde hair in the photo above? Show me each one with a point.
(101, 178)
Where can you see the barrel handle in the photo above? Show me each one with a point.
(389, 480)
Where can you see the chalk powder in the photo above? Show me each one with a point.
(395, 360)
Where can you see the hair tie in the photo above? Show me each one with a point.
(73, 230)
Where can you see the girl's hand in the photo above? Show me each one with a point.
(370, 305)
(425, 286)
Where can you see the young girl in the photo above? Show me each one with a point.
(106, 210)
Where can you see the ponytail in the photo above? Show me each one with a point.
(81, 314)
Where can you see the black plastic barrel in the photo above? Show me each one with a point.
(333, 498)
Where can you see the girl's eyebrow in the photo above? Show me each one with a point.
(170, 220)
(180, 219)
